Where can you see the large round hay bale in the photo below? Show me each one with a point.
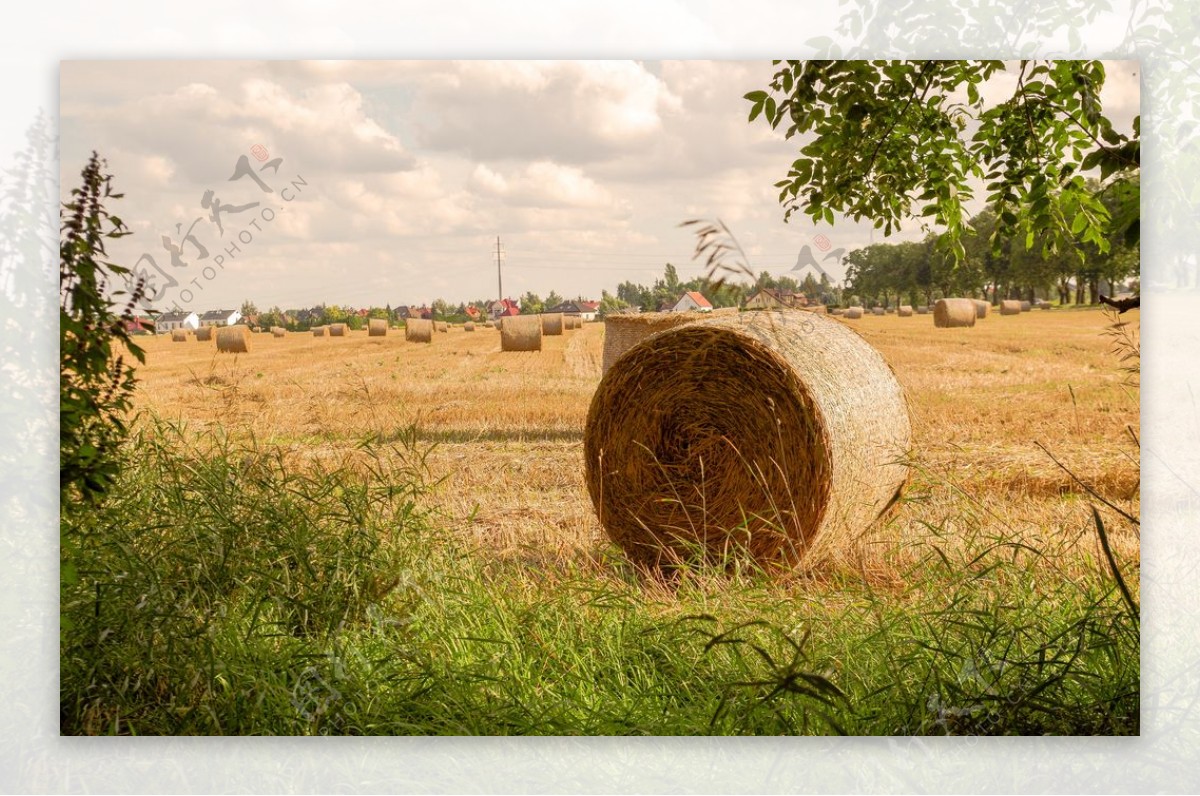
(418, 330)
(904, 311)
(1010, 307)
(377, 327)
(468, 327)
(521, 333)
(337, 330)
(952, 313)
(749, 433)
(1044, 305)
(318, 331)
(1026, 306)
(552, 323)
(622, 331)
(491, 324)
(205, 334)
(441, 326)
(179, 335)
(278, 331)
(722, 311)
(878, 311)
(836, 310)
(981, 308)
(233, 339)
(923, 309)
(853, 313)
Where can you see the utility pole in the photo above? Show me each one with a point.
(499, 278)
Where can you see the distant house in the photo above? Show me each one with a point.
(503, 308)
(473, 312)
(692, 300)
(586, 310)
(220, 318)
(768, 299)
(169, 321)
(139, 325)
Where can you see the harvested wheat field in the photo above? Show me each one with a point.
(509, 429)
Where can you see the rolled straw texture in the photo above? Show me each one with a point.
(623, 331)
(205, 334)
(953, 312)
(440, 326)
(318, 331)
(759, 433)
(418, 330)
(904, 311)
(233, 339)
(521, 333)
(853, 313)
(552, 323)
(377, 327)
(337, 330)
(922, 310)
(278, 331)
(178, 335)
(1011, 307)
(468, 327)
(1026, 306)
(878, 311)
(981, 308)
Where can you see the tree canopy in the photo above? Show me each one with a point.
(895, 140)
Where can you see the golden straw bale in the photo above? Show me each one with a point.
(1026, 306)
(981, 308)
(951, 313)
(552, 323)
(233, 339)
(205, 334)
(521, 333)
(1010, 307)
(853, 313)
(904, 311)
(418, 330)
(337, 330)
(179, 335)
(622, 331)
(318, 331)
(468, 327)
(377, 327)
(278, 331)
(758, 433)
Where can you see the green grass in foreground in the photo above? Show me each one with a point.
(218, 593)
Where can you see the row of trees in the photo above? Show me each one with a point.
(997, 264)
(728, 293)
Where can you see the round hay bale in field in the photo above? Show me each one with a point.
(1010, 307)
(753, 433)
(622, 331)
(878, 311)
(418, 330)
(491, 324)
(278, 331)
(178, 335)
(441, 326)
(337, 330)
(904, 311)
(233, 339)
(853, 313)
(318, 331)
(552, 323)
(521, 333)
(1026, 306)
(1044, 305)
(205, 334)
(377, 327)
(468, 327)
(923, 310)
(981, 308)
(953, 313)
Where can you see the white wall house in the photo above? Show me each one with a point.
(176, 320)
(220, 318)
(692, 301)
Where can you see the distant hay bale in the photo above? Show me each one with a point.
(878, 311)
(722, 311)
(278, 331)
(552, 323)
(441, 326)
(923, 310)
(337, 330)
(521, 333)
(1026, 306)
(318, 331)
(1044, 305)
(491, 324)
(981, 308)
(204, 334)
(179, 335)
(377, 327)
(904, 311)
(953, 313)
(418, 330)
(233, 339)
(853, 313)
(1010, 307)
(836, 310)
(468, 327)
(682, 457)
(622, 331)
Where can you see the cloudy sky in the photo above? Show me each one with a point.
(373, 182)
